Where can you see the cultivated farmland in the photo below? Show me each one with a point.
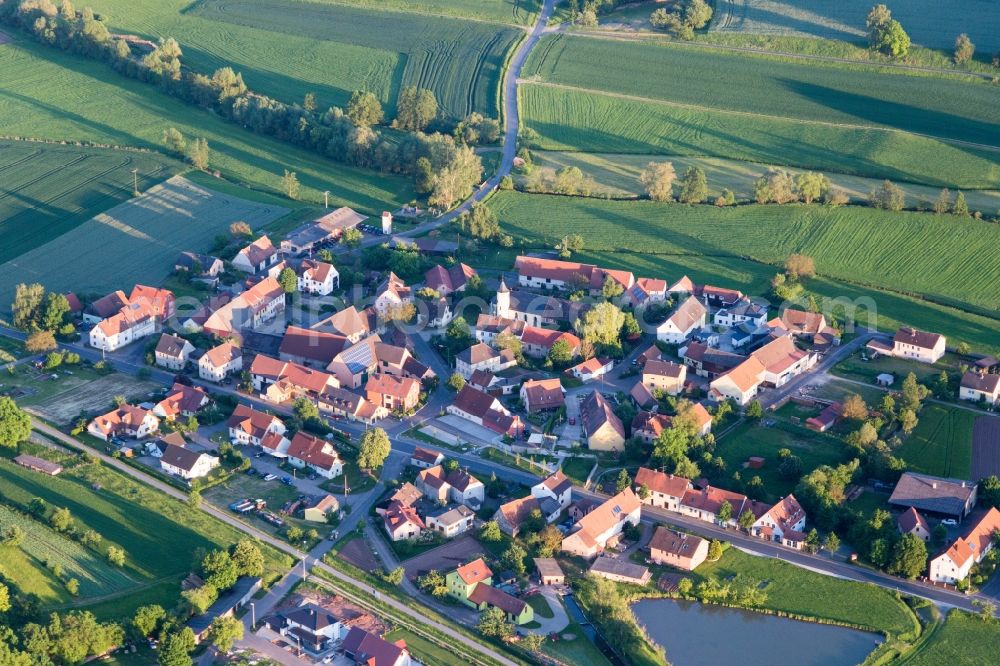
(522, 12)
(588, 121)
(61, 400)
(941, 444)
(985, 447)
(929, 23)
(45, 547)
(50, 94)
(140, 239)
(48, 189)
(713, 245)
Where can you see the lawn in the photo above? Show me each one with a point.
(541, 606)
(424, 650)
(48, 189)
(928, 23)
(941, 444)
(160, 535)
(460, 61)
(51, 94)
(854, 368)
(356, 480)
(712, 245)
(751, 439)
(801, 592)
(578, 650)
(617, 176)
(592, 121)
(10, 349)
(140, 238)
(963, 640)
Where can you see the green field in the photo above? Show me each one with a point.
(460, 61)
(749, 439)
(929, 23)
(159, 534)
(963, 640)
(617, 176)
(44, 545)
(50, 94)
(521, 12)
(941, 444)
(589, 121)
(48, 189)
(801, 592)
(140, 238)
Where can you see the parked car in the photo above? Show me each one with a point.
(270, 477)
(951, 522)
(287, 480)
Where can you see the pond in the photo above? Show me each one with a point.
(694, 634)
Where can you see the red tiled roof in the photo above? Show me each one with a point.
(249, 420)
(491, 596)
(912, 336)
(475, 571)
(659, 482)
(313, 451)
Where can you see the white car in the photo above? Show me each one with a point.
(951, 522)
(270, 477)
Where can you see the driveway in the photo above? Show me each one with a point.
(559, 619)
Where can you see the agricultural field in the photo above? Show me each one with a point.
(963, 640)
(54, 95)
(589, 121)
(617, 176)
(140, 238)
(519, 12)
(459, 60)
(928, 23)
(160, 535)
(941, 444)
(985, 447)
(45, 547)
(48, 189)
(60, 395)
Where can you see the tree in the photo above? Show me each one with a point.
(40, 341)
(147, 619)
(13, 536)
(240, 228)
(755, 411)
(777, 186)
(61, 519)
(423, 176)
(623, 481)
(725, 513)
(746, 519)
(394, 577)
(194, 499)
(219, 570)
(27, 305)
(15, 424)
(602, 325)
(288, 280)
(198, 154)
(694, 186)
(490, 532)
(960, 207)
(290, 184)
(853, 407)
(560, 353)
(909, 557)
(374, 449)
(364, 109)
(533, 643)
(176, 648)
(799, 266)
(309, 102)
(887, 196)
(812, 542)
(456, 382)
(908, 420)
(493, 624)
(174, 141)
(811, 186)
(116, 556)
(913, 393)
(943, 202)
(877, 19)
(964, 49)
(416, 108)
(831, 543)
(200, 598)
(885, 33)
(481, 222)
(513, 558)
(248, 558)
(224, 631)
(714, 550)
(989, 491)
(658, 180)
(433, 583)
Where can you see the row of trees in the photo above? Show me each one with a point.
(41, 315)
(683, 18)
(344, 136)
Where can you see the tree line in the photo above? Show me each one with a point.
(442, 166)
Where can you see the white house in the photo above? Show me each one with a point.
(124, 421)
(665, 490)
(249, 426)
(784, 523)
(185, 463)
(256, 257)
(744, 311)
(740, 384)
(172, 352)
(133, 322)
(980, 387)
(317, 277)
(451, 522)
(955, 563)
(483, 357)
(318, 455)
(219, 362)
(689, 316)
(556, 487)
(600, 528)
(913, 344)
(782, 361)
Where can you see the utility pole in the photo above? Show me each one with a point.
(326, 199)
(135, 182)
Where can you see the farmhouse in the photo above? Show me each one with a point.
(706, 503)
(484, 409)
(488, 327)
(591, 369)
(646, 291)
(784, 523)
(801, 323)
(601, 426)
(683, 322)
(980, 387)
(664, 376)
(353, 407)
(542, 395)
(275, 445)
(252, 309)
(399, 394)
(648, 426)
(314, 453)
(249, 426)
(451, 522)
(534, 309)
(349, 323)
(782, 361)
(551, 274)
(279, 381)
(620, 571)
(172, 352)
(306, 346)
(448, 280)
(330, 227)
(483, 357)
(317, 277)
(124, 421)
(256, 257)
(955, 563)
(424, 458)
(391, 295)
(912, 344)
(665, 491)
(352, 366)
(219, 362)
(600, 528)
(185, 463)
(911, 522)
(135, 320)
(718, 297)
(676, 549)
(952, 498)
(740, 383)
(105, 307)
(182, 400)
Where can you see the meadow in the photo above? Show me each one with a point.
(48, 189)
(941, 444)
(160, 535)
(617, 176)
(963, 640)
(140, 238)
(461, 61)
(50, 94)
(46, 547)
(929, 23)
(712, 246)
(584, 120)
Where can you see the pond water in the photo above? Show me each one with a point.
(695, 634)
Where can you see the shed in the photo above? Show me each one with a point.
(885, 379)
(549, 571)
